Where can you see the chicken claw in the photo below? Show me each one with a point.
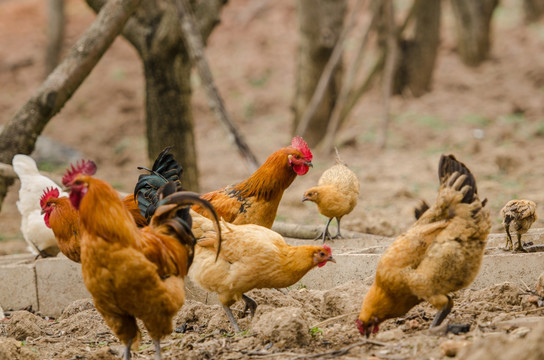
(442, 313)
(250, 304)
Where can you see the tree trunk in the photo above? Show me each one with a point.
(55, 35)
(417, 55)
(320, 25)
(20, 133)
(534, 9)
(169, 117)
(155, 32)
(473, 23)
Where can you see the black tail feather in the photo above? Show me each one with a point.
(420, 209)
(448, 165)
(165, 170)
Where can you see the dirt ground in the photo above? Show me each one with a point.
(490, 117)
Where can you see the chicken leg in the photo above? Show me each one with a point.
(442, 313)
(508, 245)
(126, 354)
(519, 247)
(231, 318)
(157, 349)
(325, 234)
(338, 234)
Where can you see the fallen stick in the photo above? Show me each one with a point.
(298, 231)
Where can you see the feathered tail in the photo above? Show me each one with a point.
(165, 169)
(180, 221)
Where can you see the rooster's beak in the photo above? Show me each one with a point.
(331, 259)
(309, 163)
(42, 212)
(304, 198)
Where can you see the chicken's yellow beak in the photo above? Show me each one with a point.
(331, 259)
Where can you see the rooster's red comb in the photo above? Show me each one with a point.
(48, 193)
(327, 249)
(300, 144)
(86, 167)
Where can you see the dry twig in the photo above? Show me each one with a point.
(327, 73)
(195, 47)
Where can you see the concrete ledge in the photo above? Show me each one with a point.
(59, 283)
(49, 285)
(18, 286)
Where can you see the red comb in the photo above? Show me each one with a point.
(327, 248)
(48, 193)
(86, 167)
(300, 144)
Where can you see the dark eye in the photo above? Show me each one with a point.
(78, 182)
(322, 254)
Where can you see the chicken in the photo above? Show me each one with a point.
(256, 199)
(63, 219)
(441, 253)
(40, 239)
(252, 257)
(335, 195)
(131, 272)
(518, 215)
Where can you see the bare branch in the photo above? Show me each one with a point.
(335, 120)
(55, 34)
(195, 47)
(298, 231)
(327, 73)
(389, 69)
(20, 133)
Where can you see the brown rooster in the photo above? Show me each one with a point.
(518, 215)
(256, 199)
(252, 257)
(63, 219)
(131, 272)
(335, 195)
(441, 253)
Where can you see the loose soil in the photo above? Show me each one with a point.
(491, 117)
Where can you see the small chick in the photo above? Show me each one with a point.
(336, 194)
(518, 215)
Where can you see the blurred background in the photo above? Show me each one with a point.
(401, 83)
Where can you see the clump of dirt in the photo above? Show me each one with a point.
(526, 345)
(76, 307)
(285, 327)
(343, 299)
(24, 324)
(291, 323)
(12, 349)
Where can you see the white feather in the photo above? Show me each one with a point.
(38, 236)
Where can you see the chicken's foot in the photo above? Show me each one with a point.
(231, 318)
(442, 313)
(519, 247)
(157, 349)
(250, 304)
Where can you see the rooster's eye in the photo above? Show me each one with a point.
(322, 254)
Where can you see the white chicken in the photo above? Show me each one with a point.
(41, 239)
